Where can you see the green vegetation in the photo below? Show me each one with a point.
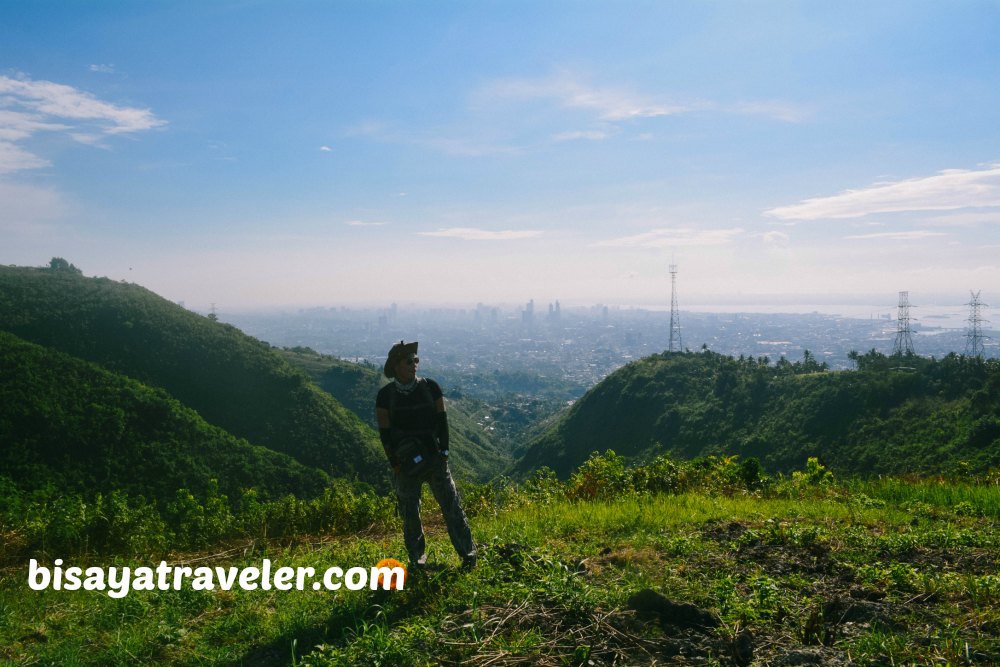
(49, 523)
(73, 426)
(798, 569)
(491, 415)
(133, 431)
(233, 381)
(353, 385)
(513, 407)
(475, 456)
(891, 416)
(497, 385)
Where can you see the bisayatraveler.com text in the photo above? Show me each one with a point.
(119, 581)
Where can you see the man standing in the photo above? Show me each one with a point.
(413, 427)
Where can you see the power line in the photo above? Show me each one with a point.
(974, 343)
(903, 344)
(675, 317)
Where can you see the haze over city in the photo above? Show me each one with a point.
(270, 154)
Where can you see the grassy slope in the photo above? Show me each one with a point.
(231, 379)
(862, 422)
(883, 574)
(474, 456)
(72, 424)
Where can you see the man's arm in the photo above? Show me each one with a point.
(441, 422)
(382, 415)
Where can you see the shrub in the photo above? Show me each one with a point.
(601, 476)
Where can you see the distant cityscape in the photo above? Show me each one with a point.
(580, 346)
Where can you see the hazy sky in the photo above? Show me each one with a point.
(261, 153)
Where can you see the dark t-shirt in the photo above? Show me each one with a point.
(413, 412)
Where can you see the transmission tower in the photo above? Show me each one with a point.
(675, 316)
(974, 346)
(904, 331)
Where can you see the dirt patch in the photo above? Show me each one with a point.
(644, 558)
(724, 532)
(819, 656)
(966, 561)
(534, 634)
(670, 613)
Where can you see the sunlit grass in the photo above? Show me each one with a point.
(969, 498)
(770, 564)
(644, 515)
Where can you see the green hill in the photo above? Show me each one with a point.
(353, 385)
(475, 456)
(232, 380)
(890, 416)
(73, 425)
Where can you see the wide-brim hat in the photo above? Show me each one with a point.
(397, 353)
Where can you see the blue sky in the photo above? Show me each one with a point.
(258, 153)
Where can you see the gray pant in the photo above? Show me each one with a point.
(408, 490)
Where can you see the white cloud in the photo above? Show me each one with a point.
(28, 107)
(325, 149)
(500, 126)
(898, 236)
(103, 69)
(88, 139)
(472, 234)
(776, 239)
(61, 101)
(17, 125)
(362, 223)
(611, 104)
(13, 158)
(673, 237)
(588, 135)
(947, 190)
(614, 104)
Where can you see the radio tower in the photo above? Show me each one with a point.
(974, 335)
(675, 317)
(904, 332)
